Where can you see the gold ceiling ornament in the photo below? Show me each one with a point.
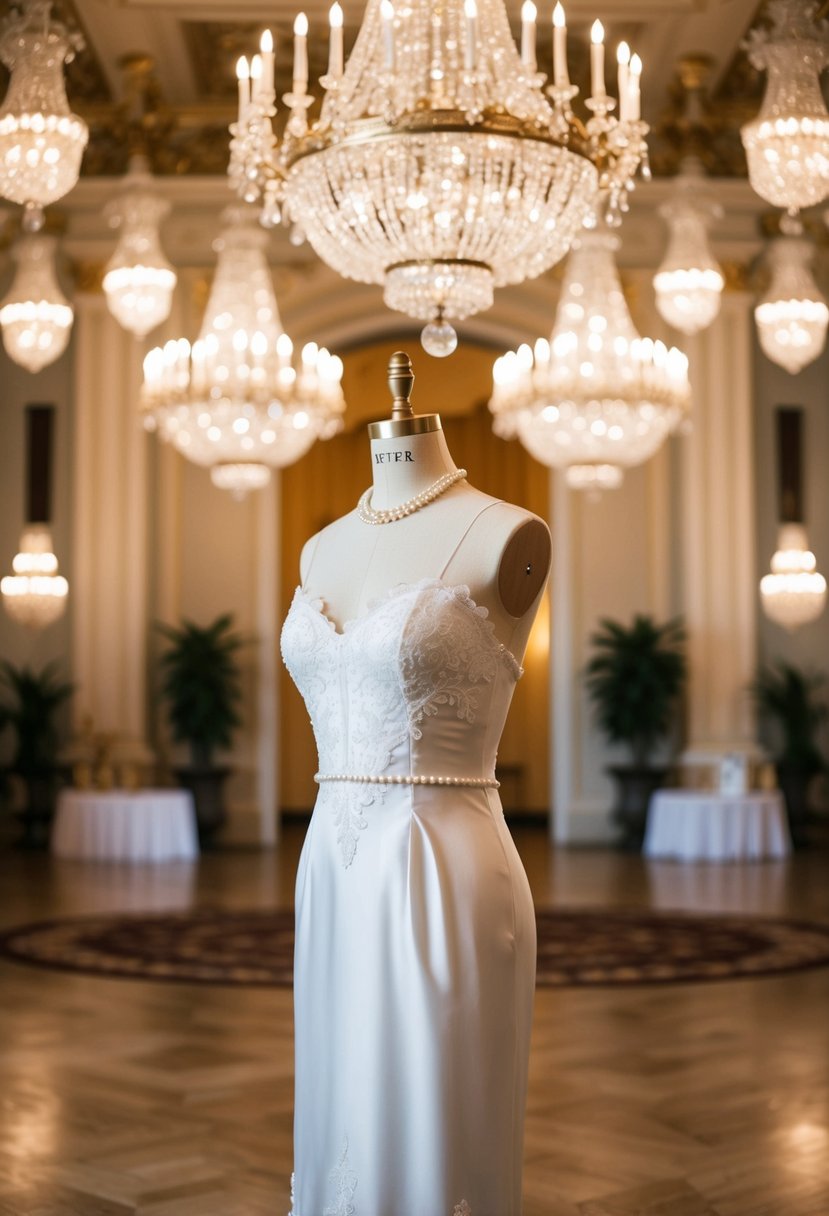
(737, 275)
(690, 124)
(87, 277)
(696, 123)
(174, 139)
(41, 140)
(439, 166)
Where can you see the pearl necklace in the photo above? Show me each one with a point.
(369, 515)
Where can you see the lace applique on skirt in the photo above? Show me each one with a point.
(344, 1181)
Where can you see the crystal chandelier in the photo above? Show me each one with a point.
(437, 166)
(35, 595)
(235, 401)
(689, 281)
(794, 593)
(138, 280)
(787, 144)
(41, 140)
(597, 397)
(35, 316)
(792, 316)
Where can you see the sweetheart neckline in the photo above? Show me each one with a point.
(459, 590)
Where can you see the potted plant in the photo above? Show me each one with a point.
(200, 682)
(31, 709)
(791, 700)
(634, 681)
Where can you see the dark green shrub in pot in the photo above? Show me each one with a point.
(30, 708)
(201, 685)
(791, 701)
(635, 679)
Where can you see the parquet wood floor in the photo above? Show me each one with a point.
(120, 1098)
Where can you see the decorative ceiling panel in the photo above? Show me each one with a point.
(86, 82)
(197, 72)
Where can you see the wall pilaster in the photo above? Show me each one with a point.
(110, 597)
(719, 590)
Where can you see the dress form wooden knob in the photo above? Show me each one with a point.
(403, 421)
(401, 383)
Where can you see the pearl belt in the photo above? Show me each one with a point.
(408, 779)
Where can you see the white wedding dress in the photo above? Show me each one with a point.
(415, 946)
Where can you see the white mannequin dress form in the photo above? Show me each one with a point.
(415, 948)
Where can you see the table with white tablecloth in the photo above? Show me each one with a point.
(125, 825)
(703, 825)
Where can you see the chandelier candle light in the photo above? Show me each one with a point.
(596, 397)
(41, 140)
(439, 165)
(35, 594)
(36, 317)
(138, 280)
(793, 315)
(236, 401)
(787, 144)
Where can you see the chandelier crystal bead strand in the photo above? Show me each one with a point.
(792, 316)
(596, 397)
(689, 281)
(35, 594)
(41, 140)
(369, 515)
(439, 165)
(35, 316)
(787, 144)
(238, 401)
(138, 280)
(794, 593)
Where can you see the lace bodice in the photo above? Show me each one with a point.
(417, 684)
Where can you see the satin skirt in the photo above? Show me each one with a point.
(414, 983)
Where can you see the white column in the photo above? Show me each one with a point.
(719, 568)
(109, 604)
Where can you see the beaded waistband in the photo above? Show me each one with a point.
(408, 779)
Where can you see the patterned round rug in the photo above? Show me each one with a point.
(576, 947)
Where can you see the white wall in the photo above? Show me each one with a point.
(809, 646)
(18, 388)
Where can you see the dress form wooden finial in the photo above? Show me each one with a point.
(403, 421)
(401, 383)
